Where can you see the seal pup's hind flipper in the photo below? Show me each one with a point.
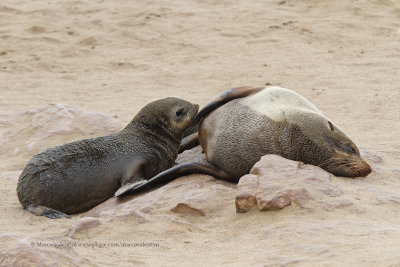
(127, 187)
(136, 173)
(175, 172)
(45, 211)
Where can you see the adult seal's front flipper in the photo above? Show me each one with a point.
(175, 172)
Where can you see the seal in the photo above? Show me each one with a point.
(244, 123)
(75, 177)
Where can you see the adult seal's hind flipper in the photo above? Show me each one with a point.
(175, 172)
(220, 100)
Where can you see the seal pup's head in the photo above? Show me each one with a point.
(172, 114)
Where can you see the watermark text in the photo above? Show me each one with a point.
(95, 244)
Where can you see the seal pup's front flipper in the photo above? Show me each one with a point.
(189, 142)
(177, 171)
(45, 211)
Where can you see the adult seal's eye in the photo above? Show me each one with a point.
(351, 149)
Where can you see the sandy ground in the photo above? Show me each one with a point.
(114, 57)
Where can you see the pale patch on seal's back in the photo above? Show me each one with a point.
(284, 105)
(278, 103)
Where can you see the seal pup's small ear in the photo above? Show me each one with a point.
(164, 119)
(331, 126)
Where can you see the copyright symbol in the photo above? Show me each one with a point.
(32, 244)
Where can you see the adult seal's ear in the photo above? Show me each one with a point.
(77, 176)
(331, 126)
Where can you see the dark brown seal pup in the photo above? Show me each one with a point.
(245, 123)
(77, 176)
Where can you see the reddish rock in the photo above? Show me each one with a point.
(275, 182)
(34, 251)
(48, 126)
(193, 194)
(278, 199)
(81, 225)
(185, 208)
(302, 198)
(245, 195)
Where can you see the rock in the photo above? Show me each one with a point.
(275, 182)
(192, 155)
(81, 225)
(190, 195)
(277, 200)
(337, 204)
(389, 198)
(194, 195)
(28, 133)
(34, 251)
(185, 208)
(193, 201)
(269, 194)
(123, 209)
(245, 195)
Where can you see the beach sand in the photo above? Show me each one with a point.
(62, 60)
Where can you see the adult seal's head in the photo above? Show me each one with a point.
(325, 145)
(77, 176)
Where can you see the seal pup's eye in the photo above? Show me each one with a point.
(331, 126)
(180, 113)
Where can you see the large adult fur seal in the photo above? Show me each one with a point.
(243, 124)
(77, 176)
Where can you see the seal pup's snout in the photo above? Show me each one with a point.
(195, 108)
(192, 110)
